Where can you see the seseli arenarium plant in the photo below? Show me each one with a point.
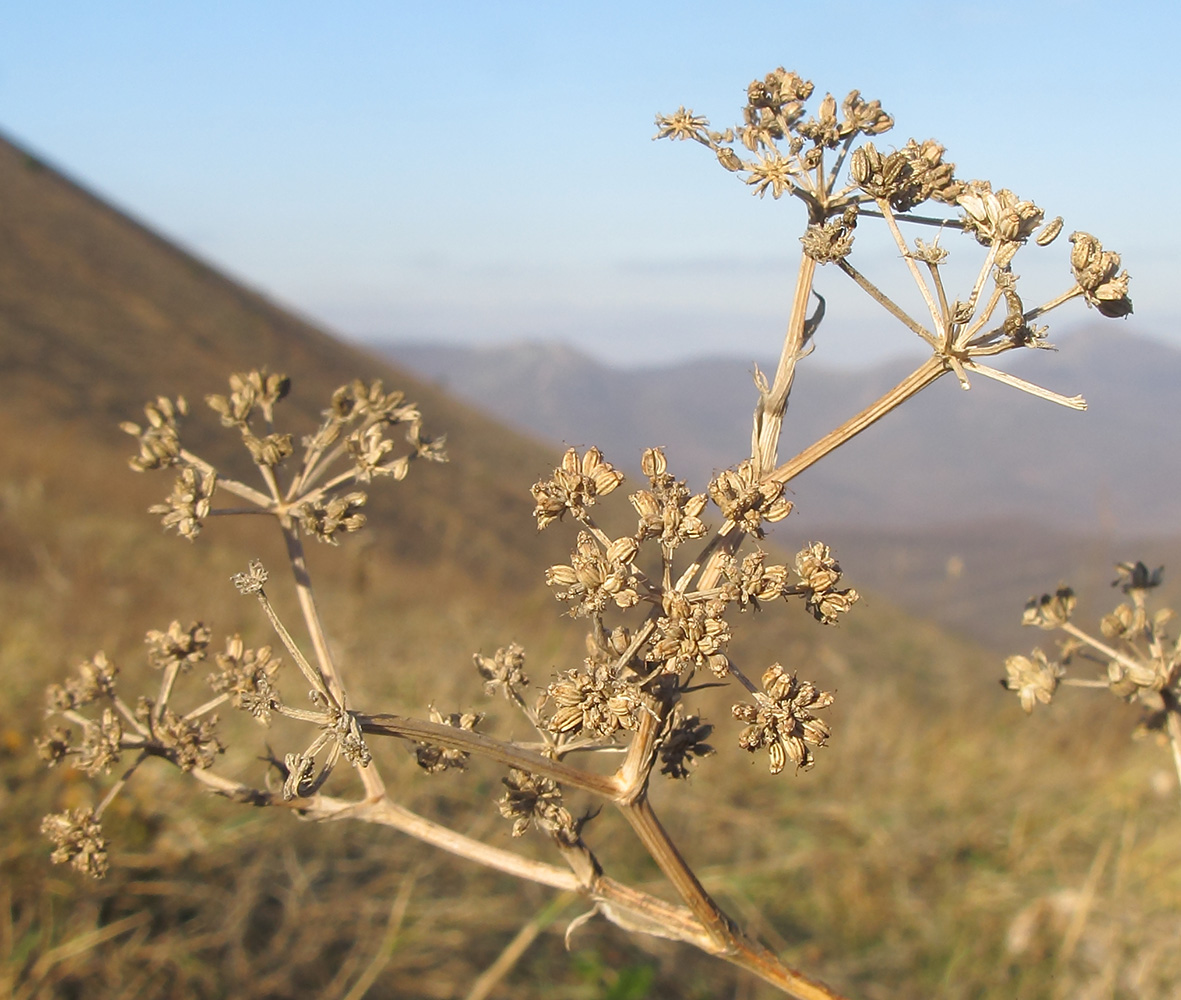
(659, 603)
(1133, 655)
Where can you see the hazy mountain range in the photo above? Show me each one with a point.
(946, 457)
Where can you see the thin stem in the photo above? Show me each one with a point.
(311, 616)
(166, 684)
(919, 220)
(209, 706)
(919, 379)
(727, 942)
(886, 302)
(1074, 402)
(982, 276)
(1054, 303)
(944, 308)
(839, 162)
(1122, 658)
(256, 497)
(305, 668)
(454, 738)
(968, 333)
(117, 787)
(912, 266)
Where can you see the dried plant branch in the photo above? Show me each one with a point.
(651, 634)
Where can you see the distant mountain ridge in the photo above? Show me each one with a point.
(945, 457)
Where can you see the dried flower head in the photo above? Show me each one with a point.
(1137, 576)
(684, 744)
(596, 702)
(819, 574)
(322, 519)
(159, 441)
(668, 511)
(100, 750)
(96, 679)
(998, 216)
(748, 500)
(751, 581)
(77, 838)
(831, 241)
(574, 486)
(596, 576)
(178, 646)
(1034, 678)
(248, 391)
(691, 634)
(529, 799)
(247, 676)
(188, 743)
(54, 746)
(782, 721)
(189, 502)
(1050, 611)
(252, 581)
(269, 451)
(434, 759)
(504, 671)
(1097, 272)
(682, 124)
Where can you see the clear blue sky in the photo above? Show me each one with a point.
(482, 172)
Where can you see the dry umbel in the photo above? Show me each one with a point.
(660, 605)
(1133, 654)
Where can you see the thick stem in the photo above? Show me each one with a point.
(664, 852)
(918, 380)
(772, 405)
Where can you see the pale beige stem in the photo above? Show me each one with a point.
(1073, 402)
(664, 852)
(1122, 658)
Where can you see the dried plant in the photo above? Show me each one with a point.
(659, 604)
(1136, 658)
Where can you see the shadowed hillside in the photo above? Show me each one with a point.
(98, 314)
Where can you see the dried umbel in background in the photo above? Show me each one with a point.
(1134, 656)
(659, 604)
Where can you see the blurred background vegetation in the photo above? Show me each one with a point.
(944, 845)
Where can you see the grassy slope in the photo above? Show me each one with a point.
(939, 821)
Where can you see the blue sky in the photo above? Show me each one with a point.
(481, 172)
